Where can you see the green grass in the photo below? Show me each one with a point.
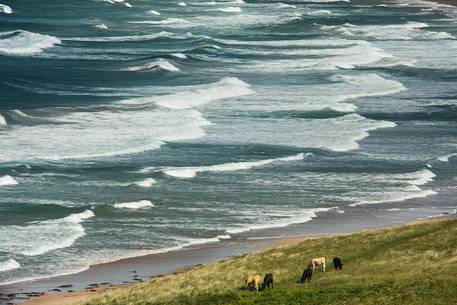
(410, 265)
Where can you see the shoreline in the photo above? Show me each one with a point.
(101, 278)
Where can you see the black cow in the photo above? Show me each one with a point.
(337, 263)
(268, 281)
(307, 275)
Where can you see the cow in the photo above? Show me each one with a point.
(317, 262)
(268, 281)
(337, 263)
(252, 281)
(307, 275)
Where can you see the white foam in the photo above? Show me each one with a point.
(284, 5)
(179, 55)
(132, 38)
(22, 43)
(420, 177)
(288, 219)
(398, 197)
(2, 120)
(148, 182)
(169, 22)
(182, 3)
(7, 180)
(230, 9)
(78, 135)
(39, 237)
(337, 134)
(406, 31)
(8, 265)
(161, 64)
(446, 158)
(191, 172)
(142, 204)
(195, 96)
(101, 26)
(153, 12)
(413, 179)
(5, 9)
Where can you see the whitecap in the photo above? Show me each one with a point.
(191, 172)
(7, 180)
(22, 43)
(39, 237)
(286, 219)
(161, 64)
(78, 137)
(406, 31)
(413, 190)
(195, 96)
(5, 9)
(398, 197)
(8, 265)
(2, 120)
(132, 38)
(179, 55)
(142, 204)
(148, 182)
(169, 22)
(153, 12)
(182, 3)
(446, 157)
(284, 5)
(230, 9)
(101, 26)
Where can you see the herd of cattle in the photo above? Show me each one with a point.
(252, 281)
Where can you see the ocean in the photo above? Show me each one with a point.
(129, 128)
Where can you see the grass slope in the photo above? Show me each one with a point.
(410, 265)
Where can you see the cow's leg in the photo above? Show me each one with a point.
(324, 266)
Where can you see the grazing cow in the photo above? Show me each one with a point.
(337, 263)
(268, 281)
(317, 262)
(252, 281)
(307, 275)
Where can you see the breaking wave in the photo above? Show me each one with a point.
(148, 182)
(287, 219)
(8, 265)
(7, 180)
(5, 9)
(195, 96)
(142, 204)
(22, 43)
(191, 172)
(39, 237)
(407, 31)
(161, 64)
(413, 190)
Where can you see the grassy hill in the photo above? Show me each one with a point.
(410, 265)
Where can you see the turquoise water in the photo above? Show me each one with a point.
(129, 128)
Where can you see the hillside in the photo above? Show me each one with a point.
(413, 264)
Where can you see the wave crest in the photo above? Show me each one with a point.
(142, 204)
(22, 43)
(39, 237)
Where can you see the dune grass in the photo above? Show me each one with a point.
(410, 265)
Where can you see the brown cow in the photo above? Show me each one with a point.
(252, 281)
(317, 262)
